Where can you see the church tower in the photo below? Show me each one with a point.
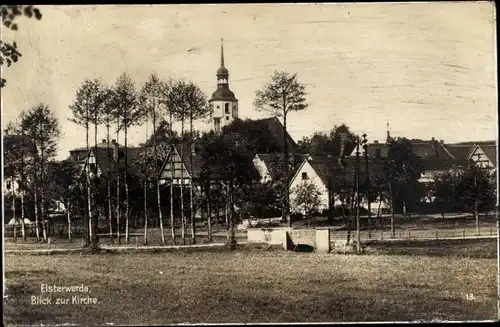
(223, 103)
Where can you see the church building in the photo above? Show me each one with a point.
(223, 103)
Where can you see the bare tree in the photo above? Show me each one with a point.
(280, 96)
(128, 114)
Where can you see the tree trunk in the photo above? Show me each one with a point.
(110, 215)
(160, 214)
(145, 212)
(232, 237)
(172, 220)
(37, 222)
(286, 166)
(118, 200)
(391, 195)
(14, 207)
(23, 227)
(378, 213)
(358, 224)
(68, 214)
(95, 216)
(88, 232)
(209, 212)
(476, 217)
(191, 184)
(183, 220)
(42, 195)
(126, 186)
(349, 218)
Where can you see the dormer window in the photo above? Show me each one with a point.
(304, 176)
(226, 108)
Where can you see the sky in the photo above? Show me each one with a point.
(428, 69)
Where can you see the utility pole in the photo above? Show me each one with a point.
(358, 227)
(368, 186)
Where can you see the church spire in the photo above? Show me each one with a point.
(222, 52)
(222, 72)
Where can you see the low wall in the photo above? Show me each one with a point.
(289, 238)
(272, 236)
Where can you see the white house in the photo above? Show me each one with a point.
(319, 171)
(266, 164)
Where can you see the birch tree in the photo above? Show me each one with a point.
(280, 96)
(128, 114)
(41, 125)
(151, 101)
(86, 100)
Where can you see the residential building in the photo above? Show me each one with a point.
(484, 156)
(322, 172)
(269, 164)
(79, 155)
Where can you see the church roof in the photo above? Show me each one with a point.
(222, 71)
(223, 94)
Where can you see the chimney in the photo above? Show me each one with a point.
(433, 139)
(441, 141)
(113, 141)
(103, 140)
(376, 141)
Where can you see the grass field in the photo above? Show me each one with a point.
(399, 281)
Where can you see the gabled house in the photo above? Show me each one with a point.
(178, 169)
(435, 156)
(484, 156)
(269, 165)
(102, 159)
(321, 172)
(79, 155)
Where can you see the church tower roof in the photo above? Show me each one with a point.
(222, 70)
(223, 93)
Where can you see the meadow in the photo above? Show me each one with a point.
(393, 281)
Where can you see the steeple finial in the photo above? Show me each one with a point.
(388, 133)
(222, 52)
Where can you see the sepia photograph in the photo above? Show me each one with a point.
(249, 163)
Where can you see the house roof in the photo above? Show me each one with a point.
(325, 167)
(459, 151)
(491, 152)
(472, 143)
(105, 159)
(275, 160)
(276, 131)
(103, 144)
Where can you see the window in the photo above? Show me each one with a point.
(218, 107)
(8, 185)
(227, 117)
(226, 108)
(217, 124)
(304, 176)
(377, 153)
